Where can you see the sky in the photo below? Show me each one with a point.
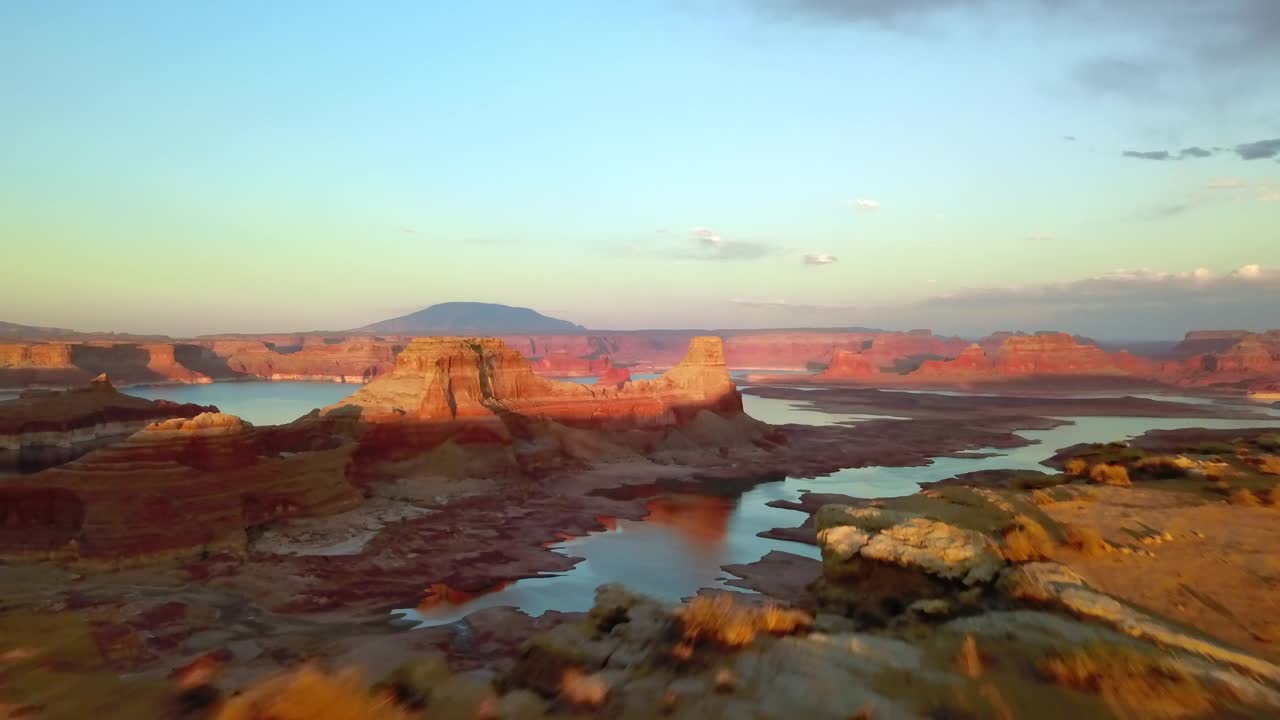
(963, 165)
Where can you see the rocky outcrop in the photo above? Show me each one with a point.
(173, 489)
(846, 364)
(441, 381)
(615, 376)
(45, 428)
(69, 364)
(1237, 359)
(1020, 356)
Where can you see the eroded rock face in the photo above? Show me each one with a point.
(46, 428)
(477, 381)
(174, 488)
(1034, 355)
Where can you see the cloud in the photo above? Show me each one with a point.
(1186, 51)
(1260, 150)
(781, 304)
(1226, 184)
(1170, 209)
(866, 204)
(1193, 152)
(1148, 154)
(820, 259)
(1270, 194)
(704, 243)
(1119, 304)
(1069, 138)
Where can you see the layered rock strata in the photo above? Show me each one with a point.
(45, 428)
(173, 489)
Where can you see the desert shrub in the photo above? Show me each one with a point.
(1086, 540)
(1077, 466)
(1217, 473)
(1131, 683)
(1109, 475)
(1269, 464)
(1270, 441)
(1160, 467)
(1242, 496)
(1026, 540)
(723, 619)
(309, 694)
(580, 688)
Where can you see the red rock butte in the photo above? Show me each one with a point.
(452, 380)
(1043, 354)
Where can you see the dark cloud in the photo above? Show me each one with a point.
(1148, 154)
(1175, 50)
(1194, 151)
(1260, 150)
(1069, 138)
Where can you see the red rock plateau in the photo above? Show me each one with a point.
(44, 428)
(173, 489)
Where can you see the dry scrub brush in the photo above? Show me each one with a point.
(723, 619)
(1026, 540)
(1132, 684)
(309, 694)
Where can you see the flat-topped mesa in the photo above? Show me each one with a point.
(171, 490)
(44, 428)
(474, 381)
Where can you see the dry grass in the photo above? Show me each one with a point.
(1109, 475)
(1130, 683)
(1161, 467)
(1087, 540)
(1242, 496)
(969, 660)
(723, 619)
(1078, 467)
(1272, 496)
(1218, 472)
(309, 694)
(1269, 464)
(1042, 498)
(1026, 540)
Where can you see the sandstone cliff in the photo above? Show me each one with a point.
(1018, 356)
(443, 380)
(45, 428)
(172, 489)
(848, 364)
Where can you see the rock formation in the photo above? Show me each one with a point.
(563, 364)
(846, 364)
(174, 488)
(465, 380)
(44, 428)
(1035, 355)
(615, 376)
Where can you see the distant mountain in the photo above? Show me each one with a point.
(471, 317)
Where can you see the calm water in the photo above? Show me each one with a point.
(683, 545)
(261, 403)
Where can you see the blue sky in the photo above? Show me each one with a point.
(285, 166)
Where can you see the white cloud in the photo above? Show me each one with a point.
(1226, 184)
(783, 304)
(820, 259)
(1249, 272)
(1270, 194)
(706, 236)
(867, 204)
